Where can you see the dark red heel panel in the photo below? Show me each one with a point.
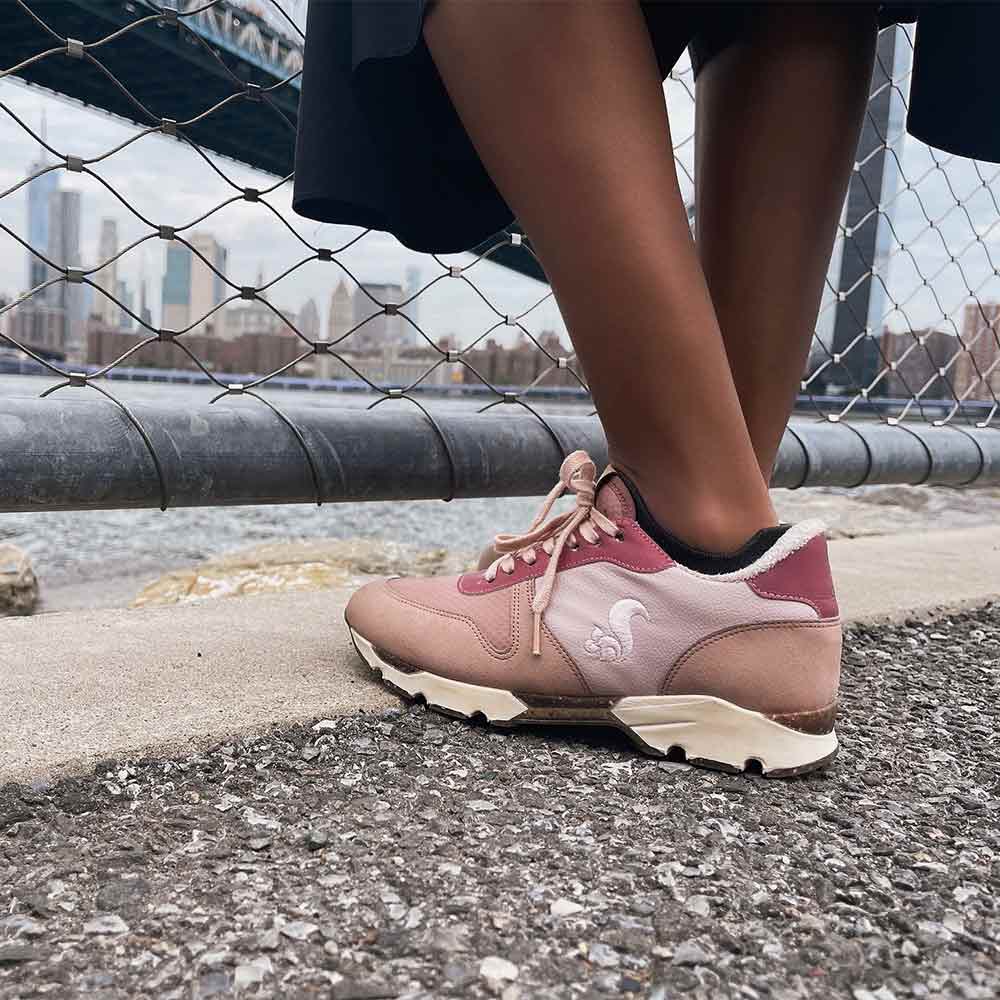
(803, 576)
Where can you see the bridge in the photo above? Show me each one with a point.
(169, 67)
(170, 64)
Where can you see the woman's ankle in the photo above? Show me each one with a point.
(713, 520)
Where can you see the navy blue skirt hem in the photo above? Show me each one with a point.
(381, 146)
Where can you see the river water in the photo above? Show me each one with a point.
(103, 558)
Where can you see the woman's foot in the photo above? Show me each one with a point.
(585, 619)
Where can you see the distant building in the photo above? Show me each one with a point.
(252, 353)
(341, 317)
(176, 303)
(977, 370)
(860, 264)
(39, 326)
(519, 366)
(552, 343)
(123, 318)
(144, 311)
(257, 318)
(339, 321)
(402, 367)
(393, 367)
(308, 321)
(106, 279)
(414, 279)
(191, 288)
(207, 287)
(916, 360)
(50, 322)
(64, 251)
(39, 191)
(379, 330)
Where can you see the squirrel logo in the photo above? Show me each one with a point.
(614, 642)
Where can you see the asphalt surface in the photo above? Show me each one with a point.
(404, 854)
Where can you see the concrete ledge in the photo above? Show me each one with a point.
(888, 578)
(83, 686)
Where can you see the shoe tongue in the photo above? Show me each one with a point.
(613, 498)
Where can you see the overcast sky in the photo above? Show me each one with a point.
(168, 182)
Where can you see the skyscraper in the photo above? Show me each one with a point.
(106, 279)
(977, 368)
(414, 277)
(339, 320)
(915, 359)
(341, 317)
(123, 320)
(144, 312)
(382, 329)
(176, 288)
(191, 288)
(64, 251)
(207, 287)
(39, 192)
(862, 264)
(38, 322)
(308, 322)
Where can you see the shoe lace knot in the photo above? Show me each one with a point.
(578, 475)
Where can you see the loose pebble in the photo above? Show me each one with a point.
(404, 854)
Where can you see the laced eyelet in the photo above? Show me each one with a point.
(619, 536)
(509, 572)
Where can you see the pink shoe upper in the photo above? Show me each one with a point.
(587, 605)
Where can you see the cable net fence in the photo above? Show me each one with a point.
(907, 329)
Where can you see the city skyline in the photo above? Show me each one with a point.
(256, 240)
(254, 237)
(195, 299)
(194, 296)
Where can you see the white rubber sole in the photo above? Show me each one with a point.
(717, 730)
(710, 731)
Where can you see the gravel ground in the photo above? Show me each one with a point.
(409, 855)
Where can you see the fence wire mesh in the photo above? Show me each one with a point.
(907, 330)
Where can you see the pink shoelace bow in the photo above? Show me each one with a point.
(578, 474)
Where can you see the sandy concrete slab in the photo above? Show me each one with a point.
(79, 687)
(82, 686)
(426, 858)
(889, 577)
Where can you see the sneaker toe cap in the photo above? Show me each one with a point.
(430, 623)
(366, 611)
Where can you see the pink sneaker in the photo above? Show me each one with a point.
(586, 620)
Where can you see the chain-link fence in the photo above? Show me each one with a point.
(906, 340)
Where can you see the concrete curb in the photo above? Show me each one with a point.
(887, 578)
(85, 686)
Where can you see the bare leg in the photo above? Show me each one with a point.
(579, 145)
(778, 118)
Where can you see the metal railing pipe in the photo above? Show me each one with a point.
(63, 453)
(78, 454)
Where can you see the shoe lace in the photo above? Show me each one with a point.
(578, 474)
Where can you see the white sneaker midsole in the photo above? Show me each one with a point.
(718, 730)
(495, 703)
(706, 728)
